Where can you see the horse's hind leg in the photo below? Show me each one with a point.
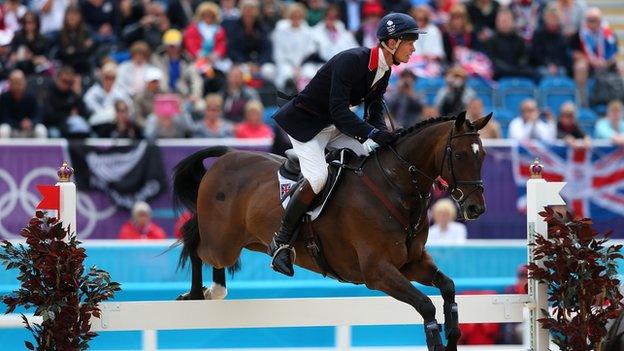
(384, 276)
(197, 289)
(427, 273)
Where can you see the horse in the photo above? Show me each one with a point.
(235, 205)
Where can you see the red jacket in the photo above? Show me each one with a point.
(193, 41)
(247, 130)
(130, 231)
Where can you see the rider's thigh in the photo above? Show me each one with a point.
(312, 160)
(341, 141)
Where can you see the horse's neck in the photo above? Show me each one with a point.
(421, 148)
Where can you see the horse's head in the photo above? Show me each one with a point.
(461, 165)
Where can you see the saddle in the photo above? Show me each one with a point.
(289, 176)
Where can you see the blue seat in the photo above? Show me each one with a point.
(269, 111)
(503, 117)
(484, 90)
(554, 91)
(512, 91)
(429, 87)
(587, 120)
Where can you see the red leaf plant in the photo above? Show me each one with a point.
(580, 270)
(54, 282)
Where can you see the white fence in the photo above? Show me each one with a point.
(151, 316)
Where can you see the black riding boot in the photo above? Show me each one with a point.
(281, 248)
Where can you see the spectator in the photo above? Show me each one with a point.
(101, 16)
(595, 48)
(132, 74)
(474, 111)
(351, 13)
(179, 73)
(236, 96)
(512, 333)
(248, 37)
(316, 11)
(271, 12)
(230, 13)
(507, 50)
(204, 37)
(123, 126)
(52, 13)
(431, 45)
(130, 13)
(13, 13)
(180, 12)
(253, 125)
(366, 35)
(179, 224)
(549, 52)
(571, 14)
(150, 28)
(441, 10)
(141, 225)
(612, 125)
(526, 14)
(29, 48)
(483, 15)
(396, 5)
(213, 125)
(445, 230)
(100, 98)
(168, 120)
(404, 102)
(64, 111)
(568, 128)
(429, 112)
(331, 36)
(19, 111)
(459, 33)
(144, 101)
(529, 125)
(74, 46)
(454, 96)
(5, 62)
(291, 46)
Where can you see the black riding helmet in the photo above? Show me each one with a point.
(397, 26)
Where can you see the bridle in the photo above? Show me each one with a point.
(456, 193)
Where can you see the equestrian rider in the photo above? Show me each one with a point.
(319, 117)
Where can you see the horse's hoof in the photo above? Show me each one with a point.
(192, 295)
(216, 292)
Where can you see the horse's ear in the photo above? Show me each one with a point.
(481, 122)
(460, 120)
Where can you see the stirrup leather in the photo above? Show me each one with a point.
(279, 247)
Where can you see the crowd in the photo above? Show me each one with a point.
(183, 68)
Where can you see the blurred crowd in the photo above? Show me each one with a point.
(183, 68)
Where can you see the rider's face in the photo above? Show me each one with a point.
(405, 50)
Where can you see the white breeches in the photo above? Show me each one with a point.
(312, 154)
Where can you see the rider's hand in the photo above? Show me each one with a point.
(382, 137)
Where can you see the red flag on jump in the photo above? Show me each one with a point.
(51, 197)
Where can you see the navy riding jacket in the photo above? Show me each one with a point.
(344, 81)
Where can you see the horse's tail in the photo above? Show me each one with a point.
(187, 176)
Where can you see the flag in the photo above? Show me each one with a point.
(50, 197)
(595, 176)
(126, 174)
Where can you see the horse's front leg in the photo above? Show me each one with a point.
(379, 274)
(427, 273)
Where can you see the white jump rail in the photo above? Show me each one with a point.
(151, 316)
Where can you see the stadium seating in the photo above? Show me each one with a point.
(268, 113)
(512, 91)
(554, 91)
(587, 120)
(484, 90)
(503, 117)
(429, 88)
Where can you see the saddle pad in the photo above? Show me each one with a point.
(286, 184)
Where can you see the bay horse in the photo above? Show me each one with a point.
(235, 205)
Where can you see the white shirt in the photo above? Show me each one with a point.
(455, 233)
(537, 130)
(431, 44)
(52, 20)
(382, 67)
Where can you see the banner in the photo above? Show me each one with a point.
(126, 174)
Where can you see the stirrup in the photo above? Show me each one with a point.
(293, 253)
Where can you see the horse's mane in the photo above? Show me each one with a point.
(424, 124)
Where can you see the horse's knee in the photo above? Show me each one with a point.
(426, 309)
(445, 284)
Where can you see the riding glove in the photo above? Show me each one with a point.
(382, 137)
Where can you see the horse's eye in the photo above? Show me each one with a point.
(459, 156)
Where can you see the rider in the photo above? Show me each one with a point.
(319, 117)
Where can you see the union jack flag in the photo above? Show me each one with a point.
(595, 176)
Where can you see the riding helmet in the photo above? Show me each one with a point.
(398, 26)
